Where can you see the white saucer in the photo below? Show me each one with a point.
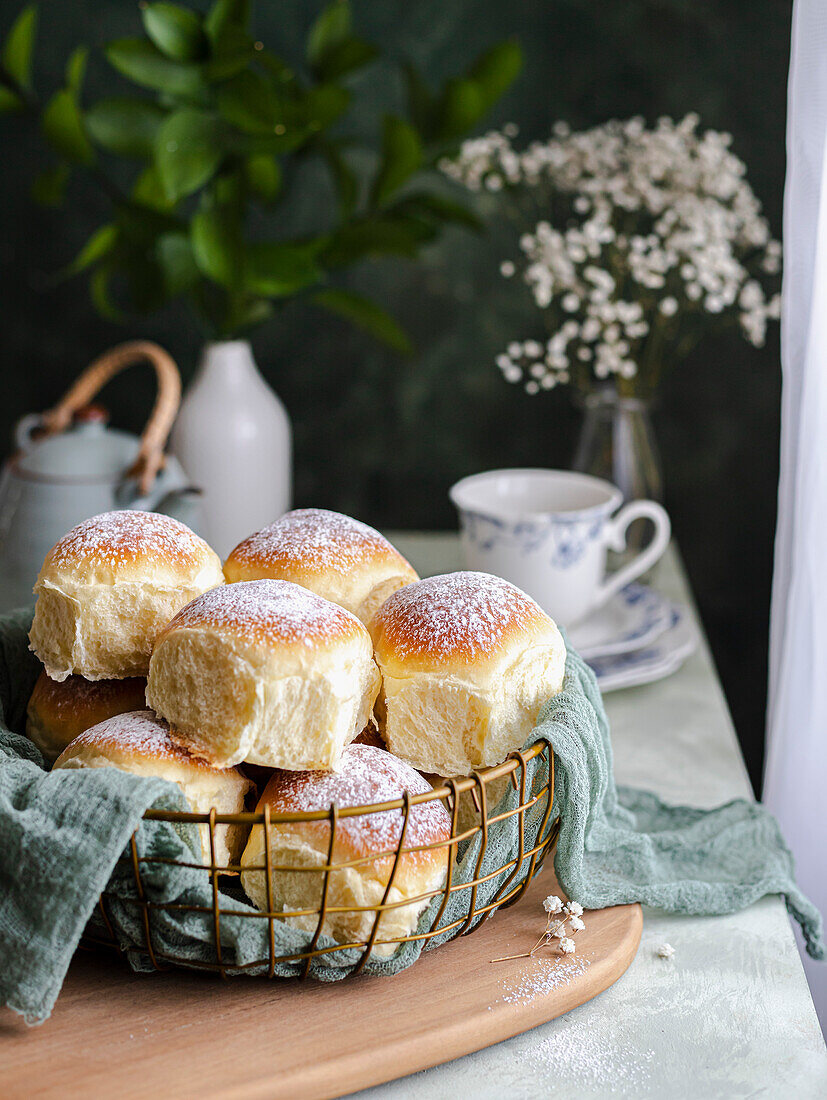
(642, 666)
(632, 619)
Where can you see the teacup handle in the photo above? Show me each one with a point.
(616, 540)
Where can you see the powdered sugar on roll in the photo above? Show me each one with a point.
(264, 672)
(336, 557)
(121, 536)
(457, 614)
(365, 776)
(137, 732)
(315, 539)
(268, 610)
(467, 662)
(108, 587)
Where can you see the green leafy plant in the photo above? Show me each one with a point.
(211, 142)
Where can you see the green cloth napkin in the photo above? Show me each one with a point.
(61, 836)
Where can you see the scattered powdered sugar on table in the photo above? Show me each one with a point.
(113, 537)
(456, 613)
(542, 977)
(573, 1055)
(366, 775)
(315, 539)
(585, 1057)
(269, 610)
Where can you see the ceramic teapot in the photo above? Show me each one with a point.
(69, 465)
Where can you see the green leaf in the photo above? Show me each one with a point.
(276, 67)
(282, 140)
(226, 16)
(176, 260)
(365, 315)
(249, 102)
(76, 69)
(127, 127)
(462, 105)
(62, 124)
(216, 244)
(353, 53)
(99, 289)
(148, 191)
(420, 100)
(437, 209)
(19, 45)
(176, 31)
(322, 106)
(263, 176)
(188, 150)
(9, 102)
(144, 64)
(274, 269)
(401, 156)
(331, 28)
(383, 236)
(49, 186)
(249, 313)
(236, 51)
(496, 71)
(347, 184)
(100, 244)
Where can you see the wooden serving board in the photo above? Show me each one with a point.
(179, 1034)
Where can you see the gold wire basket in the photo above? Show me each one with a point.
(532, 835)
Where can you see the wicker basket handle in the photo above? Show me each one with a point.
(151, 453)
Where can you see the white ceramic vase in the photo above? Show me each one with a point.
(233, 438)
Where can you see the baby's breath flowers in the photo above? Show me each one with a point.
(552, 904)
(643, 239)
(665, 951)
(559, 914)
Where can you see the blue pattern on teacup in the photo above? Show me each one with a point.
(565, 539)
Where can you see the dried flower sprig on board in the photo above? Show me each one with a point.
(634, 242)
(559, 914)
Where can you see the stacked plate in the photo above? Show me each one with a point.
(637, 637)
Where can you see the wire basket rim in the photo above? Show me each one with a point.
(515, 760)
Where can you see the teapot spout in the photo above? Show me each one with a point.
(184, 504)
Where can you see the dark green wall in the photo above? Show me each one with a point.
(383, 438)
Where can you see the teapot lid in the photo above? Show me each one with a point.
(88, 451)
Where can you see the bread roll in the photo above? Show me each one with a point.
(58, 712)
(370, 736)
(140, 743)
(366, 841)
(333, 555)
(109, 585)
(267, 672)
(468, 815)
(467, 660)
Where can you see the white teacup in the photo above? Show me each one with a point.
(547, 531)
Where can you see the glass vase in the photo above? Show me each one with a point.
(617, 442)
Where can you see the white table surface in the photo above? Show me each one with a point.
(731, 1014)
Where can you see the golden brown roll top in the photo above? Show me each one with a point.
(467, 660)
(265, 672)
(109, 585)
(367, 843)
(139, 742)
(59, 711)
(336, 557)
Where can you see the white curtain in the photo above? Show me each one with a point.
(795, 786)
